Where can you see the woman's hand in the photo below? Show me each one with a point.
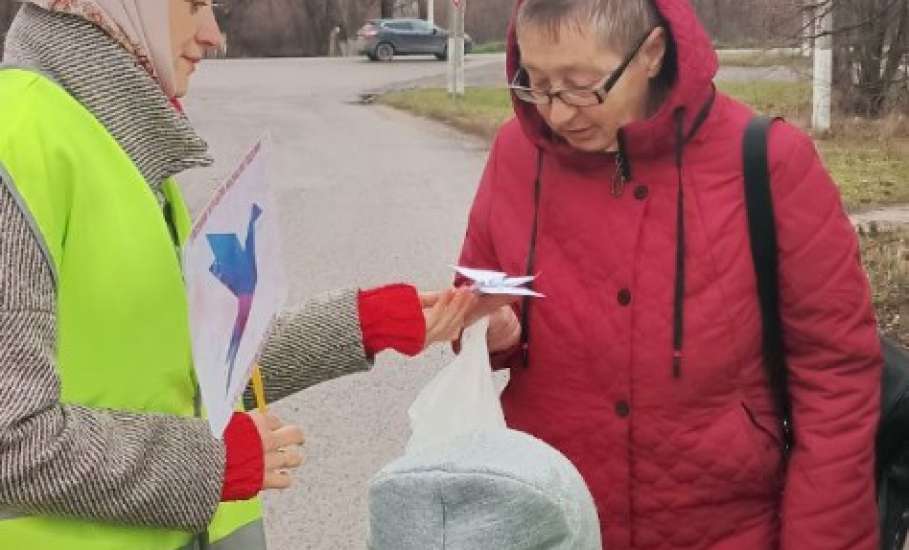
(504, 330)
(281, 448)
(489, 304)
(454, 310)
(446, 313)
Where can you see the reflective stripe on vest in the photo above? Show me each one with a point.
(120, 293)
(249, 537)
(7, 181)
(6, 515)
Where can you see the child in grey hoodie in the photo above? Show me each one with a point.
(491, 490)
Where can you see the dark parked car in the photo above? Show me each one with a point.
(382, 39)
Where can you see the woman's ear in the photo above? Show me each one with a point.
(654, 52)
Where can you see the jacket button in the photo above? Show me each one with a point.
(624, 297)
(641, 192)
(623, 409)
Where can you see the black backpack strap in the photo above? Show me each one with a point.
(762, 233)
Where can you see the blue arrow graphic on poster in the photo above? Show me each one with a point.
(235, 266)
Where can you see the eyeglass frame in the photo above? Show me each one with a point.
(600, 92)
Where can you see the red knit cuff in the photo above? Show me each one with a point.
(391, 317)
(245, 471)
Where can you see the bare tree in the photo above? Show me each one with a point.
(269, 28)
(487, 20)
(749, 23)
(871, 37)
(387, 8)
(875, 38)
(871, 40)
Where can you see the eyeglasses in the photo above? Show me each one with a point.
(576, 97)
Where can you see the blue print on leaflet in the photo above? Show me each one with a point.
(235, 267)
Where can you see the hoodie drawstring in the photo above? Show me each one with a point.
(531, 258)
(622, 168)
(678, 317)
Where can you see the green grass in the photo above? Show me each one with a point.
(869, 173)
(871, 166)
(490, 47)
(886, 258)
(871, 170)
(481, 111)
(788, 99)
(763, 59)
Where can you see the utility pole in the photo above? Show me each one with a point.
(823, 68)
(457, 9)
(431, 11)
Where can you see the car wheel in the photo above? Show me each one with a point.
(385, 52)
(371, 57)
(444, 55)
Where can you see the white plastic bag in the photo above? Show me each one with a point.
(461, 399)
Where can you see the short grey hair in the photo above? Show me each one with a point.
(619, 23)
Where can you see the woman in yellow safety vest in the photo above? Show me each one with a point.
(101, 443)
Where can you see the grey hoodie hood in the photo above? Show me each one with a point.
(493, 490)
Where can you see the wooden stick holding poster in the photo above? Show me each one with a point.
(259, 390)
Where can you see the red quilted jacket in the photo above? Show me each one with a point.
(672, 423)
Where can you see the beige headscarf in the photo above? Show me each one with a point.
(140, 26)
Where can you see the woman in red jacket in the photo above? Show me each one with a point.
(643, 363)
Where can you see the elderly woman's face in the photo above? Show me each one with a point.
(193, 31)
(577, 60)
